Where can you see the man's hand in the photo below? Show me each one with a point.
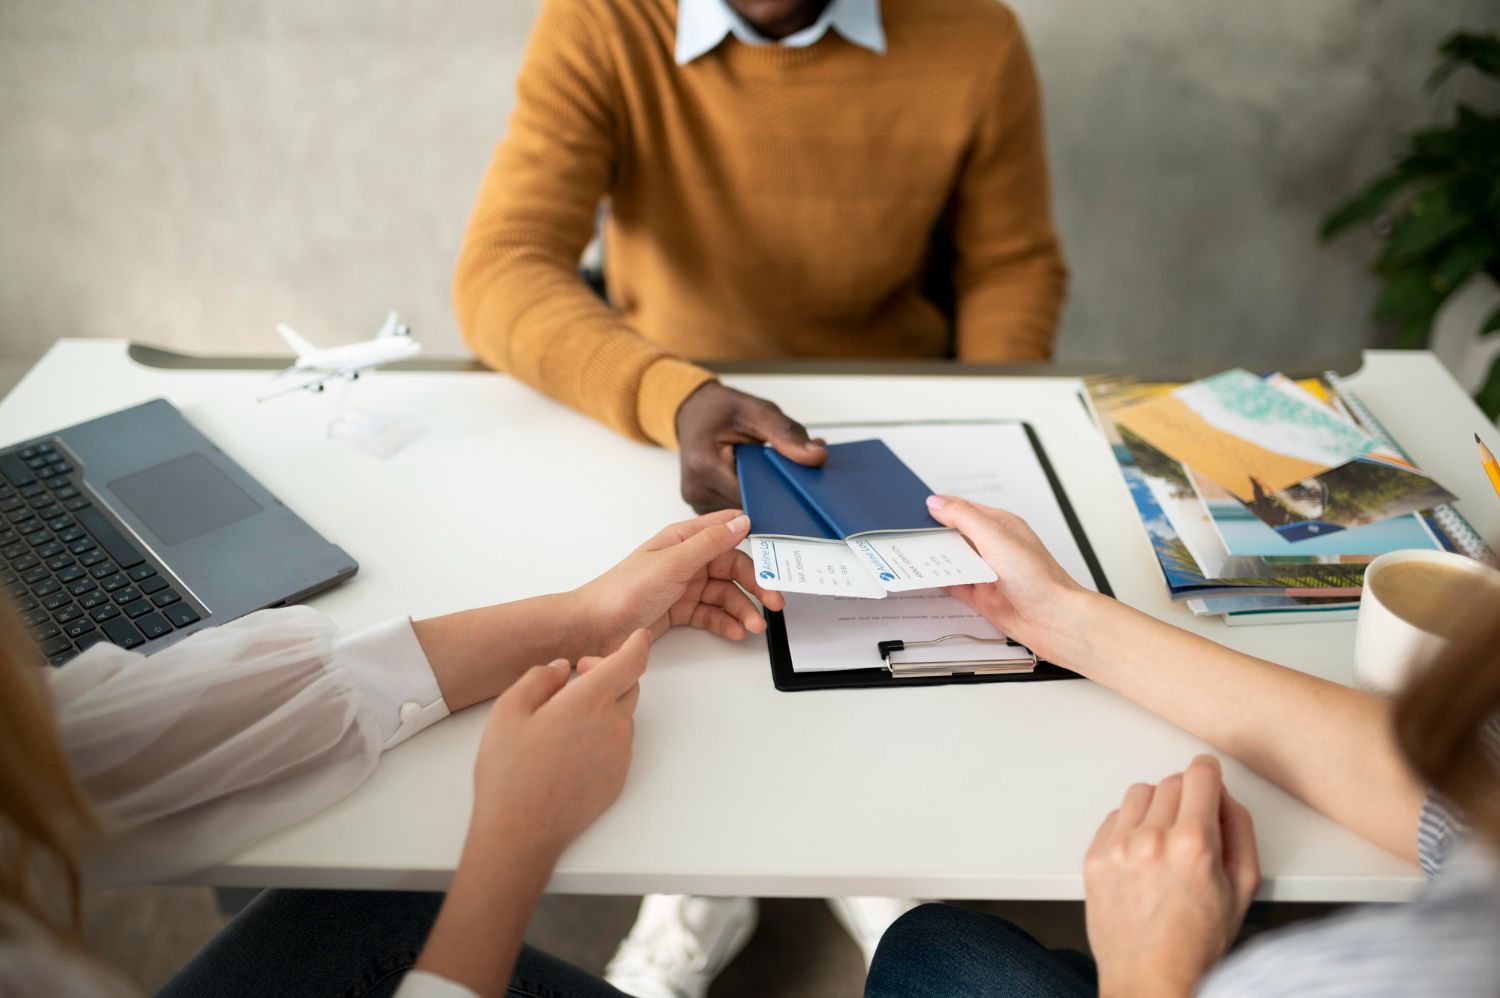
(711, 421)
(688, 575)
(1167, 880)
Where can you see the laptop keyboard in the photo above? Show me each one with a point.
(74, 576)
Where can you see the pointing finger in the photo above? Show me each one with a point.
(537, 685)
(617, 672)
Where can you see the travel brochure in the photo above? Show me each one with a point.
(1284, 450)
(1264, 498)
(1244, 434)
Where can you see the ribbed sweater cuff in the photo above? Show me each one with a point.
(664, 386)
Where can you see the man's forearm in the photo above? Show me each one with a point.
(1328, 744)
(1010, 314)
(520, 303)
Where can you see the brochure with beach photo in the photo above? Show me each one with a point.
(1286, 452)
(1245, 434)
(1228, 558)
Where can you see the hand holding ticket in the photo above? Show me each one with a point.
(856, 526)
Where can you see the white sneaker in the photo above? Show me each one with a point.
(679, 943)
(867, 918)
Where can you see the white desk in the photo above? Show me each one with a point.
(989, 791)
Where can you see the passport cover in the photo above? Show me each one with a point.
(774, 508)
(863, 487)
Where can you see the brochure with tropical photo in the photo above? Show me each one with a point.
(1250, 439)
(1245, 434)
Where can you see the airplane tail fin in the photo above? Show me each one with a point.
(295, 340)
(392, 327)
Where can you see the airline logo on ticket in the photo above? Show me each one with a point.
(824, 568)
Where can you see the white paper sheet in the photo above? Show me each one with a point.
(989, 463)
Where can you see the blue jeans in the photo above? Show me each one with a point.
(938, 951)
(349, 944)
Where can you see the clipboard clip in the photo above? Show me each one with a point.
(1008, 658)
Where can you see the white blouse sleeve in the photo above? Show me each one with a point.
(424, 984)
(203, 749)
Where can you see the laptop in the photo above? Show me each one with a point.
(135, 529)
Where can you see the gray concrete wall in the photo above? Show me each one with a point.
(190, 173)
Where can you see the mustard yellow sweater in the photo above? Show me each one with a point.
(763, 202)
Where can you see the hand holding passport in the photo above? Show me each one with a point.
(856, 526)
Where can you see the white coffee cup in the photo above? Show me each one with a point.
(1408, 616)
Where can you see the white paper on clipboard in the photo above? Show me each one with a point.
(989, 463)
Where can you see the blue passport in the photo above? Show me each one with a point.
(862, 488)
(857, 526)
(774, 507)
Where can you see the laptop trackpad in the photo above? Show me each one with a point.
(184, 498)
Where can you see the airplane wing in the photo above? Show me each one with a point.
(314, 385)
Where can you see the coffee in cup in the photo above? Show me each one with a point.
(1414, 604)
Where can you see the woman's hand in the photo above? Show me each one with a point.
(1168, 879)
(689, 575)
(1026, 602)
(552, 758)
(554, 755)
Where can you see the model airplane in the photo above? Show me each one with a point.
(348, 362)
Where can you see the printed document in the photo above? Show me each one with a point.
(989, 463)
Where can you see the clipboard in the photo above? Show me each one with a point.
(927, 663)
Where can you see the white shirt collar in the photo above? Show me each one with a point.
(703, 24)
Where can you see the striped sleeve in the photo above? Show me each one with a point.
(1440, 825)
(1440, 943)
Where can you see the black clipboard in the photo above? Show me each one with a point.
(789, 681)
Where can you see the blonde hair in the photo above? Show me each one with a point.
(44, 817)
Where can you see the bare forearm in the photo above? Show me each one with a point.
(1327, 744)
(477, 654)
(478, 933)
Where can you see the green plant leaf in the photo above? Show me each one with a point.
(1413, 333)
(1474, 126)
(1488, 395)
(1366, 203)
(1437, 147)
(1462, 259)
(1465, 48)
(1492, 324)
(1429, 222)
(1409, 299)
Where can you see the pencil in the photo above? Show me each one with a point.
(1491, 468)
